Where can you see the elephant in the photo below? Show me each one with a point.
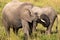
(10, 19)
(52, 14)
(46, 16)
(14, 17)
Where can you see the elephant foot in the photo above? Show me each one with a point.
(48, 32)
(34, 34)
(26, 37)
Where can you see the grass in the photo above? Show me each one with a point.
(39, 36)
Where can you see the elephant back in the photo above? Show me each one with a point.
(9, 13)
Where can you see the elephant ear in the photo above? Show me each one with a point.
(26, 15)
(25, 12)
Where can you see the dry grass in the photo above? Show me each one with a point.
(55, 36)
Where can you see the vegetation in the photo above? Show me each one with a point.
(41, 3)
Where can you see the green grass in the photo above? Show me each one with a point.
(39, 36)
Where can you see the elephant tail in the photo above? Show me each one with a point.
(56, 24)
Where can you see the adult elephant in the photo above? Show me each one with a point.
(10, 18)
(46, 16)
(17, 15)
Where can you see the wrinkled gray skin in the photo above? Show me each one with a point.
(16, 15)
(50, 16)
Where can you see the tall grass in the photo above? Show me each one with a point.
(41, 3)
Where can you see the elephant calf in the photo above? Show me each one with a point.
(46, 16)
(52, 15)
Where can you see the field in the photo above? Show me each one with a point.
(40, 36)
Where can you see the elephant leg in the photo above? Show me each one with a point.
(7, 27)
(7, 30)
(49, 29)
(30, 28)
(34, 28)
(26, 29)
(15, 30)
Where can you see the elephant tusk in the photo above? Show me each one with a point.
(42, 20)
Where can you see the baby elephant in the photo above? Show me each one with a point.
(52, 15)
(46, 16)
